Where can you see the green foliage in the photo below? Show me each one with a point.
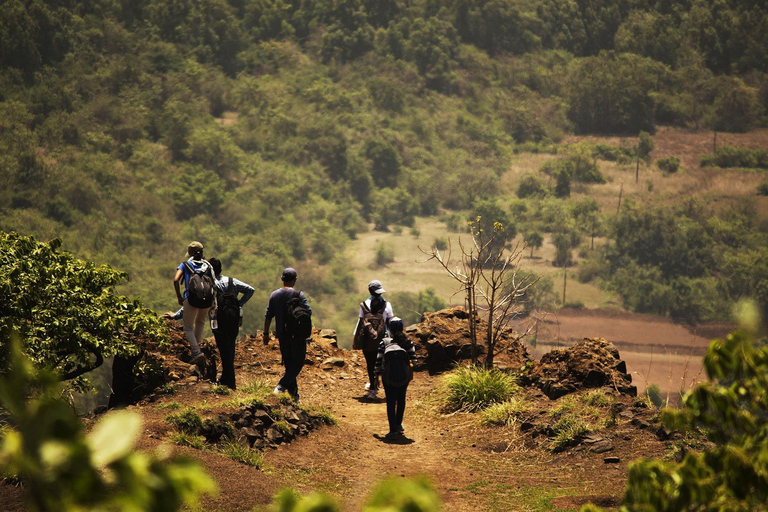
(63, 469)
(568, 429)
(730, 473)
(596, 398)
(736, 107)
(66, 309)
(669, 164)
(219, 389)
(410, 306)
(612, 93)
(731, 156)
(654, 395)
(397, 494)
(762, 189)
(473, 388)
(530, 186)
(190, 440)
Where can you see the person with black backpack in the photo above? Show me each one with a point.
(394, 363)
(293, 326)
(198, 297)
(373, 320)
(226, 319)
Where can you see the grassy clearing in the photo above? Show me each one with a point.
(238, 449)
(472, 388)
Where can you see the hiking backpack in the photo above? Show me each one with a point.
(373, 327)
(397, 364)
(200, 287)
(298, 318)
(228, 312)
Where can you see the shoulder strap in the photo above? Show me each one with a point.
(296, 294)
(364, 307)
(230, 285)
(190, 267)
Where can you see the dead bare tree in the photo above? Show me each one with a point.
(491, 283)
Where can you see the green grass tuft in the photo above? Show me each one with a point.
(185, 439)
(218, 389)
(568, 429)
(504, 413)
(473, 388)
(186, 421)
(325, 414)
(597, 398)
(238, 449)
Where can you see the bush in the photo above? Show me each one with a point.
(531, 186)
(669, 164)
(472, 388)
(188, 421)
(385, 253)
(730, 156)
(762, 189)
(441, 243)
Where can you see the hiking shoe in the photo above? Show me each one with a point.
(373, 394)
(367, 386)
(393, 435)
(279, 389)
(200, 357)
(296, 398)
(400, 429)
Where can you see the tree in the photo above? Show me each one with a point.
(66, 309)
(491, 282)
(643, 152)
(534, 240)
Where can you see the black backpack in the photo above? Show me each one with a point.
(200, 287)
(298, 318)
(373, 326)
(397, 364)
(228, 313)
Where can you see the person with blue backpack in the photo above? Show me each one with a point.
(198, 297)
(394, 363)
(293, 326)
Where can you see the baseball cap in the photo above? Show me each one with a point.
(289, 274)
(194, 248)
(376, 287)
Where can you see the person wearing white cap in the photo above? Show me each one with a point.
(193, 315)
(378, 309)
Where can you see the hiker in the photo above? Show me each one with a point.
(293, 326)
(227, 318)
(199, 280)
(394, 363)
(372, 323)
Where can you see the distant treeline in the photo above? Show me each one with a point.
(275, 130)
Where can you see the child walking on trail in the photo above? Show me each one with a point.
(394, 363)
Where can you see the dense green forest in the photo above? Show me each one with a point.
(275, 131)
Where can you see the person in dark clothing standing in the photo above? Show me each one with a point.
(226, 332)
(294, 351)
(395, 393)
(377, 305)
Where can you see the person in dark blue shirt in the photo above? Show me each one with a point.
(293, 351)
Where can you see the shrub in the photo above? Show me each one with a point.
(730, 156)
(596, 398)
(654, 395)
(669, 164)
(385, 253)
(531, 186)
(762, 189)
(472, 388)
(441, 243)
